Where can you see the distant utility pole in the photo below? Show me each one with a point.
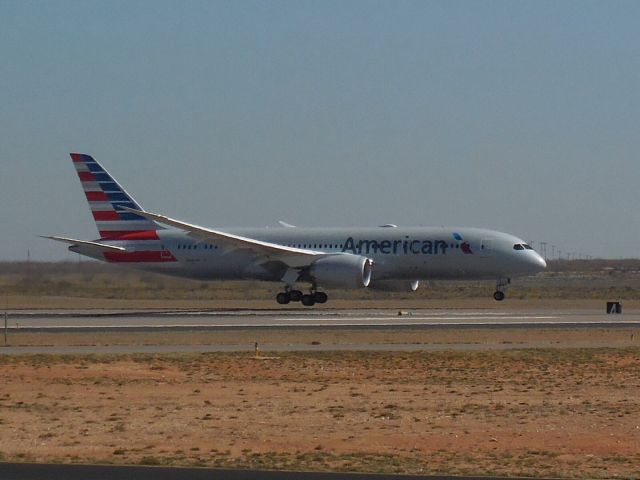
(6, 323)
(543, 248)
(553, 252)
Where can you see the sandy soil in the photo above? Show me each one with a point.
(560, 412)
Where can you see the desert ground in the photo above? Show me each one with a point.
(567, 408)
(567, 412)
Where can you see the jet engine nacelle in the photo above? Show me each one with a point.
(395, 285)
(342, 271)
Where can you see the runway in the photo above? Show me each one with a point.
(27, 471)
(211, 320)
(127, 332)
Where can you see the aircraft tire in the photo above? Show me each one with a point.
(283, 298)
(308, 300)
(320, 297)
(498, 296)
(295, 295)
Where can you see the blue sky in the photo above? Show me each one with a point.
(517, 116)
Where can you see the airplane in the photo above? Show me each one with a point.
(386, 257)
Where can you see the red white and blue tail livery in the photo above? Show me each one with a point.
(385, 258)
(106, 197)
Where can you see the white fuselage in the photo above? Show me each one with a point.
(419, 253)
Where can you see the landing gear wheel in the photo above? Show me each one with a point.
(283, 298)
(308, 300)
(320, 297)
(498, 296)
(295, 295)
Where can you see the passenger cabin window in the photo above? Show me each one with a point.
(517, 246)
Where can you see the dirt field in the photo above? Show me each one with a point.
(566, 412)
(446, 338)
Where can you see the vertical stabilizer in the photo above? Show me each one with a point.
(105, 196)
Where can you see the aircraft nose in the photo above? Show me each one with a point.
(537, 262)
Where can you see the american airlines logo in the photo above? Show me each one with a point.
(464, 246)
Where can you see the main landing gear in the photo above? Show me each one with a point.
(307, 299)
(501, 286)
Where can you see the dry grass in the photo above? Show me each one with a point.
(87, 284)
(326, 337)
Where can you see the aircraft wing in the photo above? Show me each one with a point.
(74, 241)
(293, 257)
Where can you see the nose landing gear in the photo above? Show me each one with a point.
(501, 286)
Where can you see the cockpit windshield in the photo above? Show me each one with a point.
(522, 246)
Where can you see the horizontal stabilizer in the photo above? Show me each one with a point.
(74, 241)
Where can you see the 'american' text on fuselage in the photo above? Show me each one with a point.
(394, 247)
